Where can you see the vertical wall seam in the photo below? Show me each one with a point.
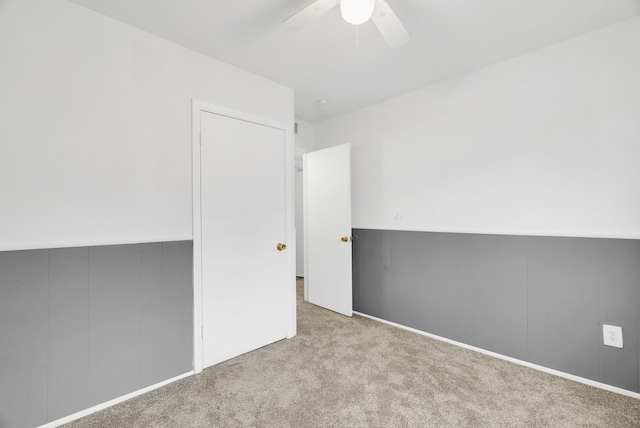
(527, 260)
(638, 316)
(162, 353)
(48, 355)
(88, 333)
(140, 307)
(185, 301)
(140, 355)
(548, 301)
(383, 300)
(180, 287)
(601, 294)
(183, 286)
(184, 295)
(528, 288)
(88, 392)
(360, 284)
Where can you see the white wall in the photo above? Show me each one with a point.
(299, 225)
(95, 135)
(304, 143)
(547, 143)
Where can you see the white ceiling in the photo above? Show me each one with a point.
(448, 38)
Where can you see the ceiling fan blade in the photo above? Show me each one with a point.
(308, 14)
(389, 25)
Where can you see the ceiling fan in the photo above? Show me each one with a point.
(355, 12)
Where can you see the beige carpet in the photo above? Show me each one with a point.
(355, 372)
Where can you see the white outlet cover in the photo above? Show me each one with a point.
(612, 335)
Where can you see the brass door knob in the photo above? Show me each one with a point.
(281, 247)
(345, 239)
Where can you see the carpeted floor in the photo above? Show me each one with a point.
(355, 372)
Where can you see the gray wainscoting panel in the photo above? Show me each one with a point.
(186, 314)
(377, 280)
(436, 264)
(619, 304)
(114, 321)
(403, 277)
(81, 326)
(68, 331)
(23, 338)
(538, 299)
(517, 302)
(574, 330)
(151, 312)
(490, 291)
(171, 307)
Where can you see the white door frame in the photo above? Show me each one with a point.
(196, 108)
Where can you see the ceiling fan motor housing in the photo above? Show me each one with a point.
(357, 12)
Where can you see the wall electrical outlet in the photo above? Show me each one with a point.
(612, 335)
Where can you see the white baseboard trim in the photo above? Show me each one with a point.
(113, 402)
(510, 359)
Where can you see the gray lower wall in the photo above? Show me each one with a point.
(538, 299)
(81, 326)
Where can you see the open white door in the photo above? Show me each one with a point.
(327, 213)
(246, 271)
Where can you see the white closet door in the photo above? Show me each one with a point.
(243, 211)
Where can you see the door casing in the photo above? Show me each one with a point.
(197, 108)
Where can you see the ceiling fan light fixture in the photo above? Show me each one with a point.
(357, 12)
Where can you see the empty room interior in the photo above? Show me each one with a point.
(319, 213)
